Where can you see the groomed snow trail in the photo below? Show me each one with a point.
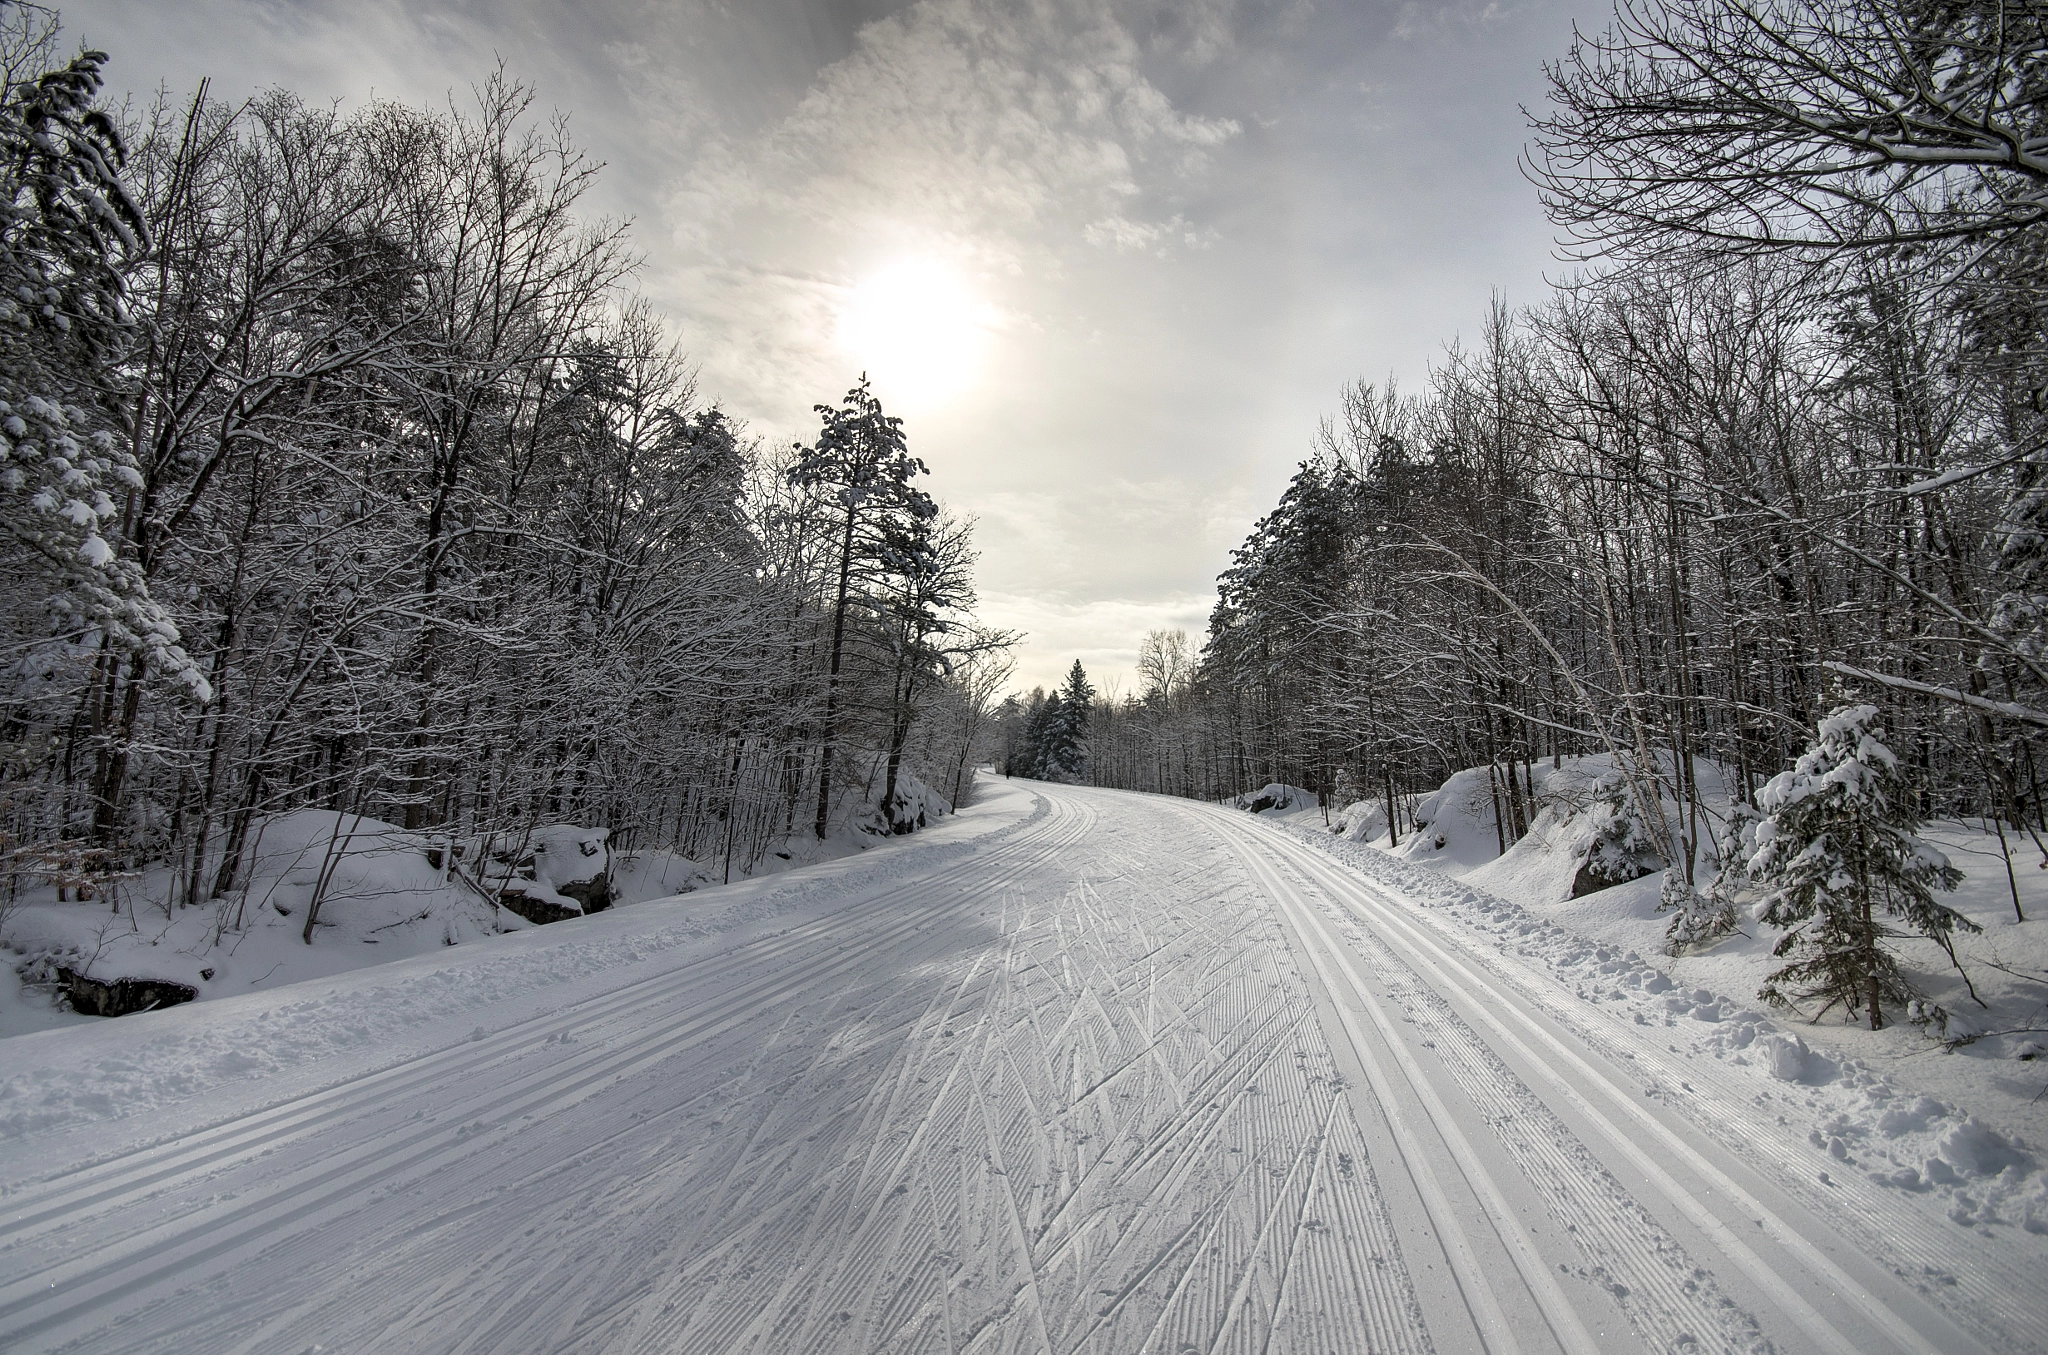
(1132, 1075)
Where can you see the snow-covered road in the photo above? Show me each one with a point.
(1083, 1072)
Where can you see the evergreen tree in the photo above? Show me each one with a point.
(1063, 744)
(67, 225)
(1041, 718)
(1836, 848)
(1078, 692)
(860, 460)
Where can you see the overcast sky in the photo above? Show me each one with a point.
(1110, 259)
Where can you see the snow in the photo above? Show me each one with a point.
(376, 1014)
(1072, 1070)
(1994, 1073)
(1454, 825)
(1360, 821)
(655, 873)
(382, 898)
(1960, 1127)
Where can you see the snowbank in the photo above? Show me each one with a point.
(379, 896)
(1360, 821)
(382, 894)
(1968, 1128)
(655, 873)
(1611, 940)
(1454, 825)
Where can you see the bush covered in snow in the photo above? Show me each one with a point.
(1835, 855)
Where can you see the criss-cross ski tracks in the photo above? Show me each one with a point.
(1136, 1076)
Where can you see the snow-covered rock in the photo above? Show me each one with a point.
(1275, 798)
(1360, 821)
(553, 873)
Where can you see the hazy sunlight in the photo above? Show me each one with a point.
(912, 327)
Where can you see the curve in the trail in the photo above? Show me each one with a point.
(1126, 1076)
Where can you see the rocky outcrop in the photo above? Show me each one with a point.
(595, 894)
(121, 997)
(554, 872)
(1591, 880)
(538, 911)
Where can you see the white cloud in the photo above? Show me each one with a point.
(1125, 236)
(1103, 633)
(1431, 18)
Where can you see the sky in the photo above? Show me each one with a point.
(1112, 261)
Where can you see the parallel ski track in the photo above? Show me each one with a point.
(1667, 1295)
(73, 1284)
(1974, 1291)
(1066, 1094)
(1108, 1148)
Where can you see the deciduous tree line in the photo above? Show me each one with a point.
(342, 467)
(1781, 446)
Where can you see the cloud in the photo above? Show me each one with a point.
(1001, 125)
(1419, 19)
(1103, 633)
(1125, 236)
(1004, 139)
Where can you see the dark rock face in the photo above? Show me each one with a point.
(595, 894)
(122, 996)
(540, 912)
(1588, 882)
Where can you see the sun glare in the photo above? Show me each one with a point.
(912, 327)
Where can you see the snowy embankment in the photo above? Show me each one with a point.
(97, 1077)
(1078, 1071)
(1963, 1122)
(318, 893)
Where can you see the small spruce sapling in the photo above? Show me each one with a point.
(1622, 847)
(1700, 917)
(1835, 850)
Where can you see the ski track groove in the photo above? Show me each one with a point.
(595, 1067)
(1423, 964)
(1447, 960)
(1068, 1091)
(1620, 1240)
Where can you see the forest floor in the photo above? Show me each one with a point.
(1074, 1071)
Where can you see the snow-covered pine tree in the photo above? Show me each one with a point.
(1040, 722)
(1836, 849)
(862, 464)
(66, 221)
(1064, 750)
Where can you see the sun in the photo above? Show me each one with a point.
(913, 328)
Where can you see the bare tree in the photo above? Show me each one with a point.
(1811, 126)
